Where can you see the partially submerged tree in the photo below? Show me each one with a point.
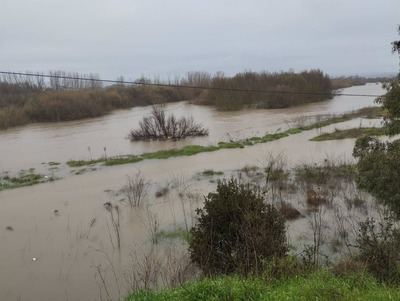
(160, 126)
(237, 232)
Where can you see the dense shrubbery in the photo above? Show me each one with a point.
(380, 249)
(26, 99)
(379, 162)
(379, 169)
(236, 232)
(314, 81)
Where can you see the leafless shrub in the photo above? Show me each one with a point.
(313, 254)
(143, 272)
(154, 269)
(136, 189)
(161, 127)
(178, 268)
(115, 234)
(153, 226)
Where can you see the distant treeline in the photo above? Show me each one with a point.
(26, 100)
(313, 81)
(29, 99)
(349, 81)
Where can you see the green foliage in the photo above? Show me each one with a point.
(379, 169)
(380, 249)
(236, 231)
(391, 104)
(322, 174)
(391, 101)
(23, 179)
(321, 285)
(178, 233)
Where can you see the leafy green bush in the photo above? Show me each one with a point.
(236, 231)
(380, 249)
(379, 169)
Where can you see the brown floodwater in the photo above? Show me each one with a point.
(29, 146)
(61, 231)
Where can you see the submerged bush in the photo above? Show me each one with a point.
(236, 232)
(160, 126)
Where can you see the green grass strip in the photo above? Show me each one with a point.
(321, 286)
(350, 134)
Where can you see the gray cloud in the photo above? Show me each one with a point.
(134, 37)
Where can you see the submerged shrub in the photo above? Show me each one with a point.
(160, 126)
(236, 232)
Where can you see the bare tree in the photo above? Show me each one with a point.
(136, 189)
(160, 126)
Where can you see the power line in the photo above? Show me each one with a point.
(139, 83)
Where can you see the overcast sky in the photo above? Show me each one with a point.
(134, 37)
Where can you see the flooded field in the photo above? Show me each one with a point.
(59, 240)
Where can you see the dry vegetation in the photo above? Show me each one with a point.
(26, 100)
(313, 81)
(32, 99)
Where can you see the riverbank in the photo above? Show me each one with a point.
(27, 100)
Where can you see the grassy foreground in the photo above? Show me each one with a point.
(319, 286)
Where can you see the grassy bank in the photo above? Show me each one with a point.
(351, 133)
(321, 285)
(25, 100)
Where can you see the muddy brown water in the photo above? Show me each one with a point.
(52, 255)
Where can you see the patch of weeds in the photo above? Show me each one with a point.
(122, 160)
(23, 179)
(80, 163)
(80, 171)
(163, 191)
(211, 172)
(350, 134)
(178, 233)
(52, 163)
(320, 174)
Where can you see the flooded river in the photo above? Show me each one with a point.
(55, 237)
(27, 147)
